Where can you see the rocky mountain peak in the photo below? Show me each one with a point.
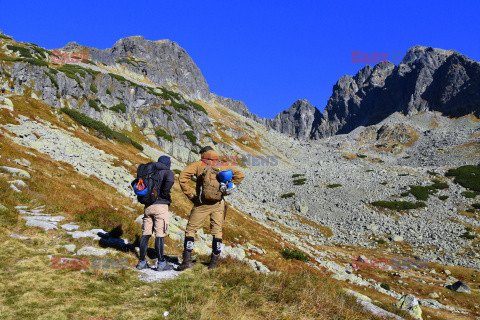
(162, 62)
(427, 79)
(297, 120)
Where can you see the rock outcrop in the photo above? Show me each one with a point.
(162, 62)
(297, 121)
(427, 79)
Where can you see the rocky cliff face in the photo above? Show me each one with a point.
(162, 62)
(297, 121)
(136, 83)
(426, 79)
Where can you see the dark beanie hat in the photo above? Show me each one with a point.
(165, 160)
(205, 149)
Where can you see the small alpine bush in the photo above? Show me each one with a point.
(399, 205)
(120, 108)
(469, 194)
(385, 286)
(100, 127)
(299, 182)
(335, 185)
(163, 134)
(294, 254)
(467, 176)
(287, 195)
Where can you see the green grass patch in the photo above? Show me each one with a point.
(52, 79)
(437, 184)
(467, 176)
(172, 94)
(385, 286)
(334, 185)
(384, 183)
(399, 205)
(163, 134)
(467, 235)
(100, 127)
(294, 254)
(296, 175)
(469, 194)
(188, 122)
(197, 107)
(120, 108)
(287, 195)
(299, 182)
(179, 106)
(93, 104)
(422, 192)
(24, 52)
(165, 110)
(191, 137)
(93, 88)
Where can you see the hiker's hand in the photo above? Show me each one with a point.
(223, 188)
(230, 190)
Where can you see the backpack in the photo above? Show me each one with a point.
(209, 185)
(145, 185)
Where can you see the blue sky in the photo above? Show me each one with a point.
(265, 53)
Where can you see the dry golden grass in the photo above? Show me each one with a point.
(35, 290)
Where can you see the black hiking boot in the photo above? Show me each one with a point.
(213, 261)
(187, 261)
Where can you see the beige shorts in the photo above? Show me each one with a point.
(156, 219)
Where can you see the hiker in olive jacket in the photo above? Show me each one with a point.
(204, 209)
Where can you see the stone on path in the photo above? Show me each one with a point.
(19, 236)
(459, 286)
(70, 226)
(92, 251)
(70, 247)
(150, 275)
(410, 304)
(15, 172)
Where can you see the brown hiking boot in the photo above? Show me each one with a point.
(213, 261)
(187, 261)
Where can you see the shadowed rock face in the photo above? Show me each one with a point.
(296, 121)
(426, 79)
(163, 62)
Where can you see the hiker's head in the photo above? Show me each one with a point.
(205, 149)
(210, 157)
(165, 160)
